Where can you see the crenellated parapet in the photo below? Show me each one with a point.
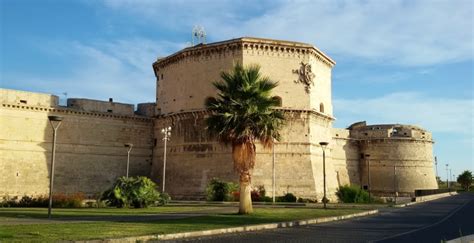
(387, 132)
(258, 46)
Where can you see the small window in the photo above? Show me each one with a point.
(161, 76)
(23, 101)
(158, 77)
(321, 108)
(366, 134)
(110, 111)
(362, 156)
(277, 100)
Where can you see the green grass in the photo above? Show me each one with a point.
(110, 229)
(95, 212)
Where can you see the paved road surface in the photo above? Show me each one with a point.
(433, 221)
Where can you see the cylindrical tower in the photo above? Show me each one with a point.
(395, 158)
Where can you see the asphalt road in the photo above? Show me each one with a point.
(434, 221)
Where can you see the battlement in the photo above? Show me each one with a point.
(361, 130)
(22, 98)
(245, 43)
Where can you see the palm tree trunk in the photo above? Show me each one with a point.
(245, 202)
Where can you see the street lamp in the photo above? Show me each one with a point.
(129, 146)
(166, 136)
(273, 170)
(436, 164)
(55, 123)
(450, 177)
(323, 147)
(368, 176)
(447, 176)
(395, 183)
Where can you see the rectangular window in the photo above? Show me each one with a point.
(23, 101)
(110, 111)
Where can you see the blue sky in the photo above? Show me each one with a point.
(408, 62)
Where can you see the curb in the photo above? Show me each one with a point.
(448, 194)
(246, 228)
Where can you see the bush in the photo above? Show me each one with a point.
(257, 194)
(60, 200)
(68, 201)
(218, 190)
(289, 197)
(164, 199)
(307, 200)
(352, 194)
(138, 192)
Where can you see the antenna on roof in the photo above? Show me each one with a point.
(199, 35)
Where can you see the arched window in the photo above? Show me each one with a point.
(321, 108)
(277, 100)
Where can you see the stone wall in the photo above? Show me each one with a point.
(345, 157)
(401, 165)
(100, 106)
(193, 158)
(90, 149)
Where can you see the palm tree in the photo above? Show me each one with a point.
(241, 114)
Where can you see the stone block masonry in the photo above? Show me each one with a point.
(90, 149)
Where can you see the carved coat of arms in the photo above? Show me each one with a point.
(305, 76)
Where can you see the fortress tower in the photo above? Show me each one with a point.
(184, 81)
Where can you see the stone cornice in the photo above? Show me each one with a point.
(391, 139)
(74, 112)
(203, 112)
(245, 43)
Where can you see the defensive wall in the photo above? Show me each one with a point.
(90, 145)
(91, 153)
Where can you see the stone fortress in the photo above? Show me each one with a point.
(91, 154)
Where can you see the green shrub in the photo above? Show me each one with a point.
(138, 192)
(289, 197)
(352, 194)
(60, 200)
(164, 199)
(307, 200)
(218, 190)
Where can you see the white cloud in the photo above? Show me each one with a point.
(121, 69)
(410, 33)
(438, 115)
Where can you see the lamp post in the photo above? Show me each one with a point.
(129, 146)
(368, 176)
(447, 176)
(436, 164)
(166, 136)
(55, 123)
(450, 177)
(273, 171)
(395, 182)
(323, 147)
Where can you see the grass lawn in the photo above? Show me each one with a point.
(95, 212)
(113, 229)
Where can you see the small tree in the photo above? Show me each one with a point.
(465, 179)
